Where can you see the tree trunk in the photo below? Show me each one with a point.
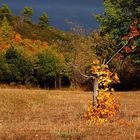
(95, 91)
(59, 82)
(55, 83)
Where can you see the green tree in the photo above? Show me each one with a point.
(5, 12)
(27, 14)
(6, 31)
(117, 19)
(5, 73)
(116, 22)
(50, 69)
(118, 16)
(44, 20)
(21, 69)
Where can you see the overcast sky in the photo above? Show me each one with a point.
(79, 11)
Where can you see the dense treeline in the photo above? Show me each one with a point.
(30, 62)
(37, 54)
(40, 55)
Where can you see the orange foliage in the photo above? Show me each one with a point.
(127, 49)
(125, 38)
(105, 76)
(18, 37)
(133, 47)
(133, 29)
(119, 56)
(27, 47)
(132, 34)
(4, 46)
(107, 106)
(45, 44)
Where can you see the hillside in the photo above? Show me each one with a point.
(56, 58)
(47, 53)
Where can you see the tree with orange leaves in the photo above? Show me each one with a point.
(104, 105)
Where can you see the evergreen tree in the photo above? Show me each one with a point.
(6, 31)
(27, 13)
(5, 12)
(44, 20)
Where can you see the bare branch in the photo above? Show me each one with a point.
(118, 51)
(86, 76)
(104, 61)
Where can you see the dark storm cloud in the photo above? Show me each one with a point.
(79, 11)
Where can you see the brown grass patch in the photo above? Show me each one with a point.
(53, 115)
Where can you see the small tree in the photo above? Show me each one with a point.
(6, 30)
(27, 14)
(104, 105)
(5, 12)
(43, 20)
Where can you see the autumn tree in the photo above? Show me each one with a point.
(104, 105)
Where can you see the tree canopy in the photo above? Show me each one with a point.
(117, 21)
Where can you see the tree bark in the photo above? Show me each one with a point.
(95, 91)
(55, 83)
(59, 82)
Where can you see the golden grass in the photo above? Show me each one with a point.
(57, 115)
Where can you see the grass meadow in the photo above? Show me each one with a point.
(27, 114)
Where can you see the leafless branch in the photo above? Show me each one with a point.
(118, 51)
(86, 76)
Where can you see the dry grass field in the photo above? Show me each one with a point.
(58, 115)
